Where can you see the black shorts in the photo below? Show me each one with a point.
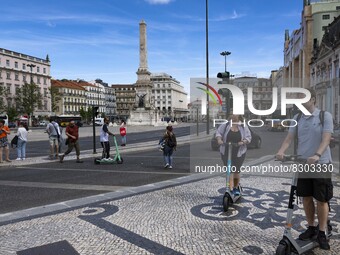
(321, 189)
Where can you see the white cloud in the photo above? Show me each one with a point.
(158, 1)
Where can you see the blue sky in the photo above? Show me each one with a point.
(91, 39)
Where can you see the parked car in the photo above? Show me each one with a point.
(42, 123)
(79, 124)
(256, 141)
(11, 124)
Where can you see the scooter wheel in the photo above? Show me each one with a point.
(96, 161)
(120, 161)
(226, 202)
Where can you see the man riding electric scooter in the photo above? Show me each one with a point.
(313, 134)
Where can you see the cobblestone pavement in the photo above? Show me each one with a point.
(183, 216)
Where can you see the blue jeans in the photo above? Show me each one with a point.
(168, 159)
(21, 149)
(124, 139)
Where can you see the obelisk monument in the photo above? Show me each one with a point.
(144, 112)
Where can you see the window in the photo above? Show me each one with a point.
(24, 77)
(16, 64)
(8, 88)
(44, 70)
(8, 75)
(16, 76)
(326, 16)
(38, 69)
(38, 80)
(45, 81)
(324, 28)
(23, 66)
(7, 63)
(338, 8)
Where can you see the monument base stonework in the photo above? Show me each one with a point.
(143, 117)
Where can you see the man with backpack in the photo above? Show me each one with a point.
(53, 132)
(312, 136)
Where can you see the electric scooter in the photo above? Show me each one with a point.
(117, 158)
(229, 197)
(288, 243)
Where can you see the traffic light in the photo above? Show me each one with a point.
(223, 75)
(95, 111)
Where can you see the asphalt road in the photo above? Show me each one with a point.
(41, 184)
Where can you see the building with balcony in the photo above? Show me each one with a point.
(195, 111)
(109, 98)
(16, 69)
(125, 99)
(325, 70)
(95, 95)
(298, 47)
(169, 97)
(262, 92)
(72, 97)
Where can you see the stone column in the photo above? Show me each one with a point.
(143, 54)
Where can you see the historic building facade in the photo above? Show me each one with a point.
(72, 97)
(262, 92)
(169, 97)
(125, 99)
(298, 46)
(16, 69)
(325, 70)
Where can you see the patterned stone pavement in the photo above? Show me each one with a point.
(180, 219)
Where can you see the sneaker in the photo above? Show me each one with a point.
(309, 234)
(61, 158)
(170, 167)
(322, 240)
(236, 191)
(79, 161)
(166, 165)
(23, 158)
(18, 159)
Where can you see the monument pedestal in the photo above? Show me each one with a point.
(143, 117)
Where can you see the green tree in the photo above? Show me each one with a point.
(28, 98)
(2, 99)
(55, 98)
(12, 113)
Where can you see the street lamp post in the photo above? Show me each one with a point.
(225, 54)
(207, 60)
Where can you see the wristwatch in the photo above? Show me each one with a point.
(317, 154)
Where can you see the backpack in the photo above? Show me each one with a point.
(322, 121)
(122, 131)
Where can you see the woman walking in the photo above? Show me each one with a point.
(22, 141)
(122, 131)
(170, 144)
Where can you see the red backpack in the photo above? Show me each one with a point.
(122, 131)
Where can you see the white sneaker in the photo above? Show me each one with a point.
(170, 167)
(23, 158)
(18, 159)
(166, 165)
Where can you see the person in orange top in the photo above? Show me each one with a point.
(4, 131)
